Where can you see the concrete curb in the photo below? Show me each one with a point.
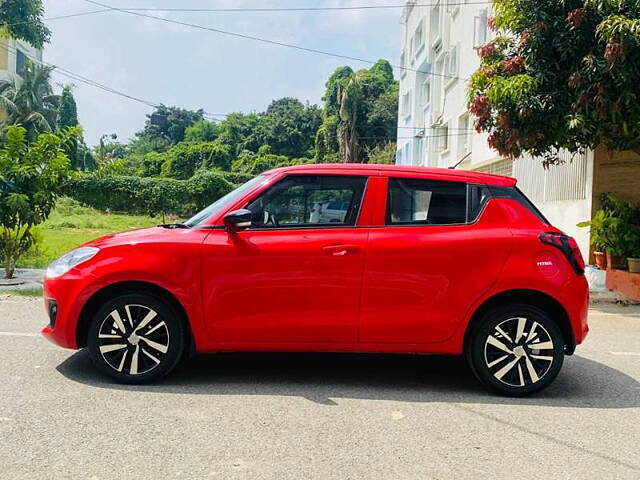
(24, 279)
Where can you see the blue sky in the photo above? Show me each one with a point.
(177, 65)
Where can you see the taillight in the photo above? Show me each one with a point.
(568, 246)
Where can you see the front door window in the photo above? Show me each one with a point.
(309, 201)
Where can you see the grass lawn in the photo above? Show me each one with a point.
(72, 224)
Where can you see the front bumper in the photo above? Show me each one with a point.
(69, 293)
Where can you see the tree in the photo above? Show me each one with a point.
(360, 113)
(559, 75)
(164, 127)
(287, 126)
(31, 178)
(67, 116)
(30, 101)
(202, 131)
(23, 19)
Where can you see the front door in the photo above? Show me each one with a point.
(295, 276)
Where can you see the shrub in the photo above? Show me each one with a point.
(184, 159)
(152, 196)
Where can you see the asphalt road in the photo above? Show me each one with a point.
(319, 416)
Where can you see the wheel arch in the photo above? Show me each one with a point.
(119, 288)
(534, 298)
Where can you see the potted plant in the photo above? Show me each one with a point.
(600, 236)
(633, 259)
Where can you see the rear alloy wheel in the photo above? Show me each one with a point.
(517, 350)
(136, 338)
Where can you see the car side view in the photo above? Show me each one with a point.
(334, 258)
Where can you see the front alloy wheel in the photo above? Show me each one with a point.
(136, 338)
(517, 350)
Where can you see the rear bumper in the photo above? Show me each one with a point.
(575, 298)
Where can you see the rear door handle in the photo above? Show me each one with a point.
(340, 250)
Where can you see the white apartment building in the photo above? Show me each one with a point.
(435, 129)
(14, 57)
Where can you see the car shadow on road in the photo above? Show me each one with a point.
(325, 377)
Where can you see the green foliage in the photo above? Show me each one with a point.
(287, 127)
(559, 75)
(360, 113)
(120, 193)
(30, 102)
(385, 154)
(251, 164)
(615, 227)
(235, 131)
(184, 159)
(164, 127)
(31, 178)
(67, 116)
(23, 19)
(202, 131)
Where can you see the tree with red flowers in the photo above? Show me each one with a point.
(559, 75)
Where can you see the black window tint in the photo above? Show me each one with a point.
(478, 196)
(308, 200)
(515, 194)
(431, 202)
(21, 63)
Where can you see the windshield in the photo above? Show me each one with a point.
(223, 202)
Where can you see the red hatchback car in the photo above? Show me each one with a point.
(365, 258)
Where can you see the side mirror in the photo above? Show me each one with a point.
(237, 220)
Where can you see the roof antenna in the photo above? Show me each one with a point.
(453, 167)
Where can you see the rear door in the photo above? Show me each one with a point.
(441, 246)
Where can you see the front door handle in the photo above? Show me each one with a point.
(340, 250)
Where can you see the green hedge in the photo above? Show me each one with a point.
(120, 193)
(183, 160)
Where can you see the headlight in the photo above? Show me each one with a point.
(70, 260)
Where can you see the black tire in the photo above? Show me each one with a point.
(136, 338)
(501, 351)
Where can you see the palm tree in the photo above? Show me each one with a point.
(30, 101)
(349, 98)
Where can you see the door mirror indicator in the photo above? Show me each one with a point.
(237, 220)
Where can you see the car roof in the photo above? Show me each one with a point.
(390, 170)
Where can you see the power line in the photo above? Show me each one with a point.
(60, 17)
(252, 9)
(293, 9)
(265, 40)
(209, 116)
(79, 78)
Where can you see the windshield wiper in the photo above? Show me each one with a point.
(174, 225)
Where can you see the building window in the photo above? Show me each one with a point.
(452, 62)
(442, 138)
(434, 25)
(481, 28)
(403, 64)
(406, 104)
(425, 91)
(418, 39)
(21, 63)
(464, 135)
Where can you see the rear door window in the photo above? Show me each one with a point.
(426, 202)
